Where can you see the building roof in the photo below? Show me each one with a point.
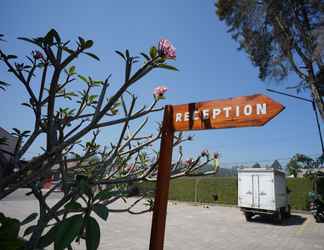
(10, 142)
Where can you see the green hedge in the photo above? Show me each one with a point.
(217, 190)
(224, 189)
(182, 189)
(298, 198)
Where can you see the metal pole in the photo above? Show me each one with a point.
(294, 96)
(163, 181)
(318, 126)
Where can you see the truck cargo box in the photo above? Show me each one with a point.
(262, 190)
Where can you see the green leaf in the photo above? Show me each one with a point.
(68, 50)
(88, 44)
(29, 230)
(153, 52)
(84, 186)
(145, 56)
(56, 35)
(160, 60)
(16, 131)
(71, 71)
(28, 40)
(50, 37)
(73, 205)
(82, 42)
(3, 85)
(48, 238)
(9, 228)
(121, 54)
(11, 57)
(83, 78)
(12, 244)
(127, 53)
(92, 55)
(39, 41)
(101, 210)
(29, 218)
(67, 231)
(166, 66)
(92, 234)
(103, 195)
(25, 133)
(92, 98)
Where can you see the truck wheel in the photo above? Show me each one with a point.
(278, 217)
(248, 216)
(288, 212)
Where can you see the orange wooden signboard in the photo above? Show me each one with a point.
(244, 111)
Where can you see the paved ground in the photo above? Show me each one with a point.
(196, 227)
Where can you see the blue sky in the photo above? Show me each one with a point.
(210, 67)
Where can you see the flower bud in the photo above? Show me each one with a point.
(205, 153)
(38, 55)
(159, 92)
(189, 161)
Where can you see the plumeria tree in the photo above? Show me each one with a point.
(92, 176)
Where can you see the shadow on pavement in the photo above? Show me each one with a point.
(291, 221)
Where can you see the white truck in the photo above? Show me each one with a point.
(263, 191)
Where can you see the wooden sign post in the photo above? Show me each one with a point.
(244, 111)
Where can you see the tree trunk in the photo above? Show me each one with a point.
(318, 99)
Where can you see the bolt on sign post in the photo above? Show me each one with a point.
(243, 111)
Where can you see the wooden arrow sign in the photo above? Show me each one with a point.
(243, 111)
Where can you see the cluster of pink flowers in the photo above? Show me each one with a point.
(38, 55)
(166, 49)
(159, 92)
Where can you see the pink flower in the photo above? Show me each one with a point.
(166, 49)
(38, 55)
(189, 161)
(159, 92)
(205, 153)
